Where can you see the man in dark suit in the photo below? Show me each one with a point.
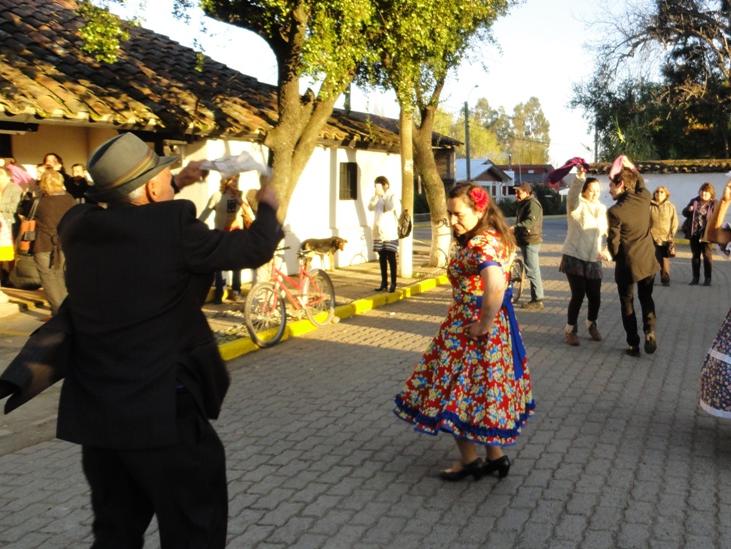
(145, 374)
(631, 246)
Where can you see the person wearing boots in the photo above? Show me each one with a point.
(385, 231)
(583, 253)
(663, 226)
(698, 211)
(630, 245)
(528, 232)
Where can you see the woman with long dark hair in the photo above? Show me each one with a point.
(698, 211)
(583, 252)
(473, 380)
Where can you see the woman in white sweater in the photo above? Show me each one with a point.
(385, 231)
(583, 253)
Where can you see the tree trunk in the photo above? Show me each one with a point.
(436, 196)
(406, 245)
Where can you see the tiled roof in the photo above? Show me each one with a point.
(44, 75)
(706, 165)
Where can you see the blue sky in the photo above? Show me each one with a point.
(541, 51)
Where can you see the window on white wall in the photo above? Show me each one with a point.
(6, 147)
(348, 181)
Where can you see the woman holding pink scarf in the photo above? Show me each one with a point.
(473, 380)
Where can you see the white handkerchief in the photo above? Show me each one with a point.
(231, 165)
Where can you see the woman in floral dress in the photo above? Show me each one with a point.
(473, 380)
(715, 397)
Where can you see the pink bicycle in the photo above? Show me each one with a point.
(310, 293)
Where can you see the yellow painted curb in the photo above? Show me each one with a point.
(242, 346)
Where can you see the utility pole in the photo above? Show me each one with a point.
(467, 138)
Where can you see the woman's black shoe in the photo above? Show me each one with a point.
(501, 466)
(392, 288)
(380, 288)
(473, 468)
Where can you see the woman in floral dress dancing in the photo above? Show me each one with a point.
(473, 380)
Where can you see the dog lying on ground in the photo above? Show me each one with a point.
(322, 246)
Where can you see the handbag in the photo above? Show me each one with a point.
(27, 231)
(25, 274)
(671, 248)
(404, 224)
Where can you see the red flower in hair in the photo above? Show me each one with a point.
(480, 197)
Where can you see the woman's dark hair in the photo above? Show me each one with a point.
(707, 187)
(589, 181)
(58, 157)
(383, 181)
(492, 219)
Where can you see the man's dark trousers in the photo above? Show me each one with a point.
(184, 485)
(626, 289)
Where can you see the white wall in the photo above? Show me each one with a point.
(315, 210)
(682, 187)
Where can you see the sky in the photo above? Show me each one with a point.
(541, 49)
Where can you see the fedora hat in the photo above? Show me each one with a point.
(122, 164)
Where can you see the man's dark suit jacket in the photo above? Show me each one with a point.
(137, 277)
(628, 239)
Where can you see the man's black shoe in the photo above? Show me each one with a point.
(650, 343)
(633, 351)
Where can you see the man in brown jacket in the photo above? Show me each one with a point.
(630, 244)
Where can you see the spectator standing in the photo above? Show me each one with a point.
(583, 252)
(630, 244)
(697, 212)
(231, 212)
(78, 183)
(53, 204)
(663, 226)
(473, 380)
(528, 230)
(10, 195)
(385, 231)
(145, 374)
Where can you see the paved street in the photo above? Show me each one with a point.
(617, 454)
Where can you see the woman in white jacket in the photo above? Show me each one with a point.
(582, 253)
(385, 231)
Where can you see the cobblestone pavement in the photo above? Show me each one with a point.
(617, 454)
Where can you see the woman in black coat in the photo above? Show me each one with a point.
(698, 211)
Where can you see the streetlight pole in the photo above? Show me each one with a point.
(467, 138)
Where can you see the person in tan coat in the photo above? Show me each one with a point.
(663, 226)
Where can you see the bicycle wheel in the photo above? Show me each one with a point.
(318, 297)
(265, 314)
(517, 279)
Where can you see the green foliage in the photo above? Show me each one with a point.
(686, 111)
(508, 207)
(417, 42)
(320, 39)
(102, 32)
(551, 201)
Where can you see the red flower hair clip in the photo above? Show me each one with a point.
(480, 198)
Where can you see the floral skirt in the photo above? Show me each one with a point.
(715, 396)
(470, 388)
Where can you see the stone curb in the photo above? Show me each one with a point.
(242, 346)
